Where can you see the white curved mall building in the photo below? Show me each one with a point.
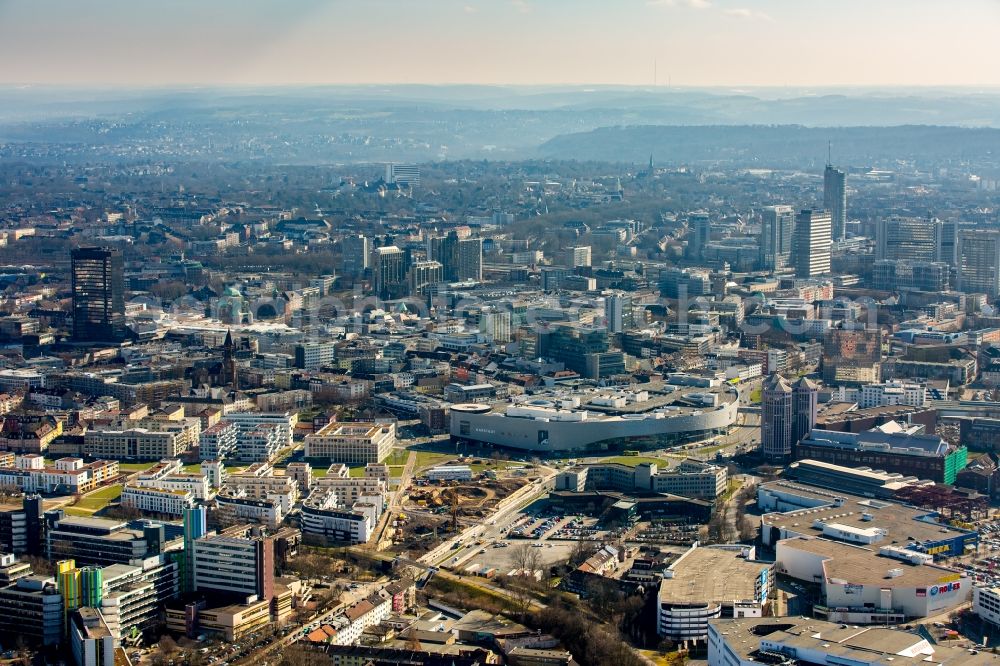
(592, 420)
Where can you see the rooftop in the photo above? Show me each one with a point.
(711, 575)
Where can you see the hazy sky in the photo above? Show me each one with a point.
(693, 42)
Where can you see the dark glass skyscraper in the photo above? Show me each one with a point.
(835, 199)
(98, 294)
(777, 226)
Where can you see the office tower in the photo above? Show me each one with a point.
(469, 259)
(578, 256)
(947, 243)
(390, 272)
(98, 279)
(618, 312)
(581, 348)
(776, 234)
(805, 396)
(195, 527)
(495, 325)
(402, 174)
(699, 234)
(357, 250)
(835, 200)
(239, 565)
(894, 274)
(907, 238)
(461, 258)
(978, 255)
(812, 243)
(424, 275)
(776, 418)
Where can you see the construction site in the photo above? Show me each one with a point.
(433, 512)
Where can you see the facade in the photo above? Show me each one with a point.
(234, 564)
(986, 604)
(835, 200)
(699, 234)
(389, 268)
(96, 541)
(247, 421)
(91, 642)
(351, 443)
(922, 456)
(32, 608)
(886, 394)
(407, 175)
(449, 473)
(878, 585)
(161, 501)
(218, 442)
(908, 239)
(776, 235)
(776, 418)
(424, 275)
(357, 250)
(578, 256)
(978, 256)
(692, 478)
(805, 396)
(461, 259)
(325, 518)
(545, 426)
(98, 280)
(812, 243)
(135, 444)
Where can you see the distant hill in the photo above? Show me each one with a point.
(778, 145)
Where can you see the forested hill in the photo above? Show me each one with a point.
(780, 145)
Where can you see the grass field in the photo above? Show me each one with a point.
(430, 458)
(632, 461)
(95, 501)
(135, 467)
(397, 457)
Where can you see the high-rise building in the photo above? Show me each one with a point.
(461, 258)
(390, 272)
(618, 311)
(835, 200)
(776, 418)
(907, 238)
(776, 235)
(195, 527)
(947, 245)
(579, 255)
(424, 275)
(402, 174)
(356, 250)
(98, 277)
(238, 565)
(978, 254)
(812, 243)
(699, 234)
(805, 397)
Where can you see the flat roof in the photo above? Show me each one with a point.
(869, 645)
(711, 575)
(861, 566)
(899, 521)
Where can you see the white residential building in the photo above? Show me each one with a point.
(157, 500)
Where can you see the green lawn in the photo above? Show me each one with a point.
(356, 472)
(135, 467)
(632, 461)
(397, 457)
(319, 472)
(95, 501)
(430, 458)
(755, 395)
(396, 471)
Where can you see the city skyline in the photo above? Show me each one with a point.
(526, 42)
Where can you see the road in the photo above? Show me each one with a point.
(395, 502)
(493, 528)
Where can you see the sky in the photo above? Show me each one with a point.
(534, 42)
